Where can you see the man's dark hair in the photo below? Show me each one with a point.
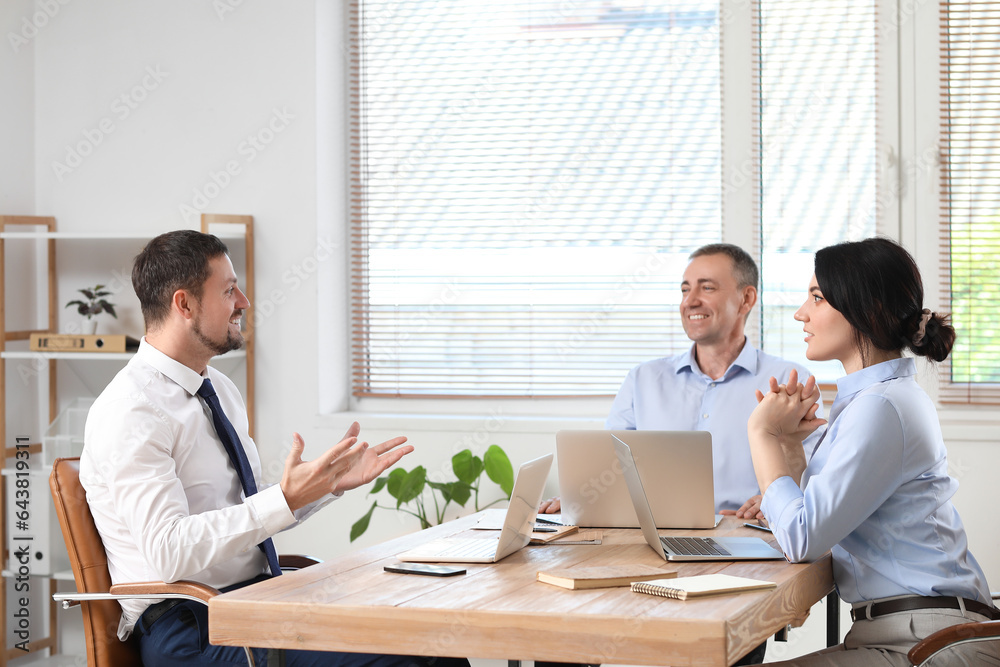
(876, 286)
(744, 268)
(172, 261)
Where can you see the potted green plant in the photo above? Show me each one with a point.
(94, 305)
(408, 488)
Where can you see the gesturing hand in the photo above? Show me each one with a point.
(374, 461)
(306, 481)
(345, 466)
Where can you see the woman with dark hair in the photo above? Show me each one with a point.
(876, 492)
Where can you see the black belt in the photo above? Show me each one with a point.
(154, 612)
(876, 609)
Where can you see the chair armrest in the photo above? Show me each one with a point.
(158, 589)
(296, 561)
(188, 590)
(955, 634)
(185, 590)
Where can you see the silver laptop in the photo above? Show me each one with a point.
(685, 548)
(593, 489)
(515, 534)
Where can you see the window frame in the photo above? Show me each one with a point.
(904, 213)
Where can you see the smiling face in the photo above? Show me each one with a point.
(828, 333)
(216, 324)
(713, 305)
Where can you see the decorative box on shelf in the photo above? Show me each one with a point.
(61, 342)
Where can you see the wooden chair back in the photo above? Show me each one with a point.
(90, 569)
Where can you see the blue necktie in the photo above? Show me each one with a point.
(238, 456)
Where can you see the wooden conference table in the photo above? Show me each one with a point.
(500, 611)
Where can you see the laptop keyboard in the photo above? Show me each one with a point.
(693, 546)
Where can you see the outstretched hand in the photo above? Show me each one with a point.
(346, 465)
(374, 461)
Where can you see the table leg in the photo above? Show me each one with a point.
(832, 619)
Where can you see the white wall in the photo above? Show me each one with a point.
(17, 126)
(158, 97)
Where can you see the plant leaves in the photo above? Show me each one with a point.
(109, 308)
(378, 485)
(395, 481)
(444, 487)
(87, 293)
(499, 469)
(466, 466)
(361, 525)
(461, 492)
(412, 485)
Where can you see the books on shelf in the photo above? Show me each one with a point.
(605, 576)
(703, 585)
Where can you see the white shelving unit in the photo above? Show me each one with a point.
(43, 370)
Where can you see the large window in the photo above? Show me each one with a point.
(529, 177)
(818, 135)
(970, 95)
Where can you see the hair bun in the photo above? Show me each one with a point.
(934, 337)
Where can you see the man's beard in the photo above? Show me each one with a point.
(232, 341)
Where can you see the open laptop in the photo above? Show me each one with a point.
(593, 489)
(685, 548)
(515, 534)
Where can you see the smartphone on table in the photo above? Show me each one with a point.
(423, 568)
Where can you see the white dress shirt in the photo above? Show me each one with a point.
(673, 394)
(878, 494)
(166, 499)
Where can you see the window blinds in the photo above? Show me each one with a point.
(527, 180)
(816, 143)
(970, 213)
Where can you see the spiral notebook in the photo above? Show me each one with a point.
(703, 585)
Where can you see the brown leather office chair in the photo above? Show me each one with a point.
(95, 594)
(964, 633)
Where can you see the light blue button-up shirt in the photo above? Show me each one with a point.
(877, 493)
(673, 394)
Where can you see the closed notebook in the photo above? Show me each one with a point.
(606, 576)
(703, 585)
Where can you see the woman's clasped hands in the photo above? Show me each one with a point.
(787, 411)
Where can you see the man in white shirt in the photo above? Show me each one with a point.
(166, 479)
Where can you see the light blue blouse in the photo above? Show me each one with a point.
(877, 493)
(673, 394)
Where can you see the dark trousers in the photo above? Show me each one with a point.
(180, 636)
(754, 657)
